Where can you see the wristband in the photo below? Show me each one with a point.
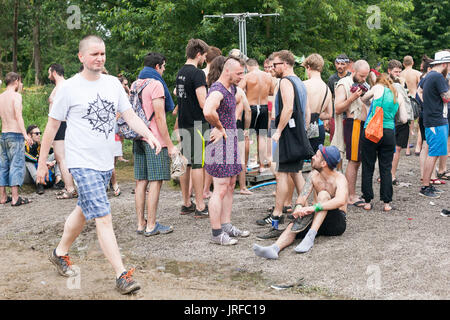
(297, 205)
(318, 207)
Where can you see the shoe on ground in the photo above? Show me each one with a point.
(436, 190)
(429, 193)
(40, 188)
(267, 220)
(236, 233)
(159, 229)
(63, 264)
(302, 223)
(223, 239)
(445, 213)
(59, 186)
(125, 283)
(271, 234)
(201, 214)
(187, 210)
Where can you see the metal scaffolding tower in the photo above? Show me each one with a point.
(241, 18)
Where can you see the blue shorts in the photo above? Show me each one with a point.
(437, 140)
(92, 185)
(12, 159)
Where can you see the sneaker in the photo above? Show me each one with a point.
(445, 213)
(429, 193)
(436, 190)
(59, 186)
(187, 210)
(301, 224)
(223, 239)
(236, 233)
(201, 214)
(63, 264)
(125, 284)
(159, 229)
(272, 234)
(267, 220)
(40, 188)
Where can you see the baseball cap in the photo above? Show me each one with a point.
(331, 155)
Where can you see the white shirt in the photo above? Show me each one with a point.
(90, 108)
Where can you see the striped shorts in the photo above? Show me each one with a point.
(92, 185)
(353, 130)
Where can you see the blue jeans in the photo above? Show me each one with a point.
(12, 159)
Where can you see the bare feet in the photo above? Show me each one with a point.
(246, 192)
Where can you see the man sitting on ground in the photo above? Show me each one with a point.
(327, 216)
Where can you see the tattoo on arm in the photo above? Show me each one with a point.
(446, 96)
(307, 188)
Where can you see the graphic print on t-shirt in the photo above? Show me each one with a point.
(101, 115)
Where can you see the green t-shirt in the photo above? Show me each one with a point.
(386, 101)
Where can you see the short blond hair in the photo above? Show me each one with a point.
(408, 61)
(86, 40)
(315, 62)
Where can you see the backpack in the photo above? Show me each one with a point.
(136, 89)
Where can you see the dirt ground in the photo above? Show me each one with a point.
(399, 255)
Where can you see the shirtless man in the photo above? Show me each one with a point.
(12, 146)
(349, 102)
(56, 75)
(411, 76)
(258, 86)
(243, 117)
(319, 99)
(326, 217)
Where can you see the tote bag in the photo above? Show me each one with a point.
(293, 145)
(374, 130)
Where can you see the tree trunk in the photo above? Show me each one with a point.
(15, 34)
(37, 49)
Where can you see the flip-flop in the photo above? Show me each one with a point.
(392, 208)
(8, 200)
(395, 182)
(437, 181)
(371, 207)
(20, 201)
(359, 203)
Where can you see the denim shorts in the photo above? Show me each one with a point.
(12, 159)
(92, 198)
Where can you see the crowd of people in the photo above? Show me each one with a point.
(218, 108)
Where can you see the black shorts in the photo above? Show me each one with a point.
(260, 118)
(402, 135)
(422, 129)
(61, 134)
(333, 225)
(291, 167)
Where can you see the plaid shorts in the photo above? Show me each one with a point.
(149, 166)
(92, 185)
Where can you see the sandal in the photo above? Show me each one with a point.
(67, 195)
(437, 181)
(359, 203)
(8, 200)
(389, 210)
(395, 182)
(20, 201)
(444, 175)
(367, 208)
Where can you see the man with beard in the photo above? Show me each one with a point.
(436, 96)
(348, 92)
(401, 129)
(56, 75)
(223, 162)
(341, 65)
(191, 92)
(326, 217)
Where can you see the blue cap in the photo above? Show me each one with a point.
(331, 155)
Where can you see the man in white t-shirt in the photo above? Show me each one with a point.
(88, 102)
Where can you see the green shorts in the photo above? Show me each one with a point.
(148, 165)
(193, 144)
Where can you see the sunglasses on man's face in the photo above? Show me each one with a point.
(36, 133)
(277, 63)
